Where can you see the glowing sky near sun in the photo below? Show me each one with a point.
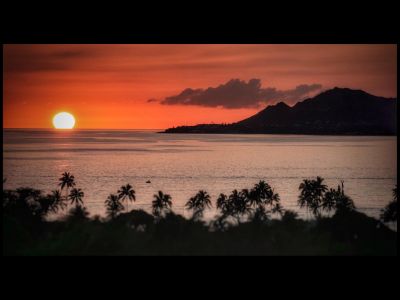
(109, 86)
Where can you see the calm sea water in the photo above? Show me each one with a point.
(103, 160)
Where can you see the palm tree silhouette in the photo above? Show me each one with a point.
(261, 196)
(305, 194)
(260, 214)
(113, 206)
(67, 180)
(344, 203)
(237, 204)
(389, 213)
(76, 196)
(251, 196)
(222, 203)
(312, 194)
(329, 201)
(337, 200)
(43, 205)
(127, 192)
(199, 203)
(265, 195)
(277, 207)
(161, 204)
(263, 192)
(273, 200)
(57, 201)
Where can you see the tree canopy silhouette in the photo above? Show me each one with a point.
(67, 180)
(56, 200)
(199, 203)
(27, 231)
(234, 205)
(28, 203)
(389, 213)
(257, 203)
(126, 192)
(161, 204)
(113, 206)
(266, 197)
(78, 213)
(76, 196)
(312, 194)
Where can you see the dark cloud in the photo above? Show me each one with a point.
(237, 93)
(289, 96)
(19, 59)
(70, 54)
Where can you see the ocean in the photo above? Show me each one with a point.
(182, 164)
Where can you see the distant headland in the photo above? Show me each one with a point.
(339, 111)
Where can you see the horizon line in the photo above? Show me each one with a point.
(55, 129)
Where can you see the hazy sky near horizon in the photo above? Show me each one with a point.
(159, 86)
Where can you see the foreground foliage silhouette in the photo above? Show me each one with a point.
(389, 213)
(244, 225)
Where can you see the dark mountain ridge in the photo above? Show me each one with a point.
(339, 111)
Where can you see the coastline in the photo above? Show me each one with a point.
(282, 133)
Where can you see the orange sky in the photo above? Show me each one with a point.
(108, 86)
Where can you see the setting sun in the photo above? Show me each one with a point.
(64, 120)
(200, 149)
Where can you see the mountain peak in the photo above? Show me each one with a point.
(343, 91)
(334, 111)
(281, 104)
